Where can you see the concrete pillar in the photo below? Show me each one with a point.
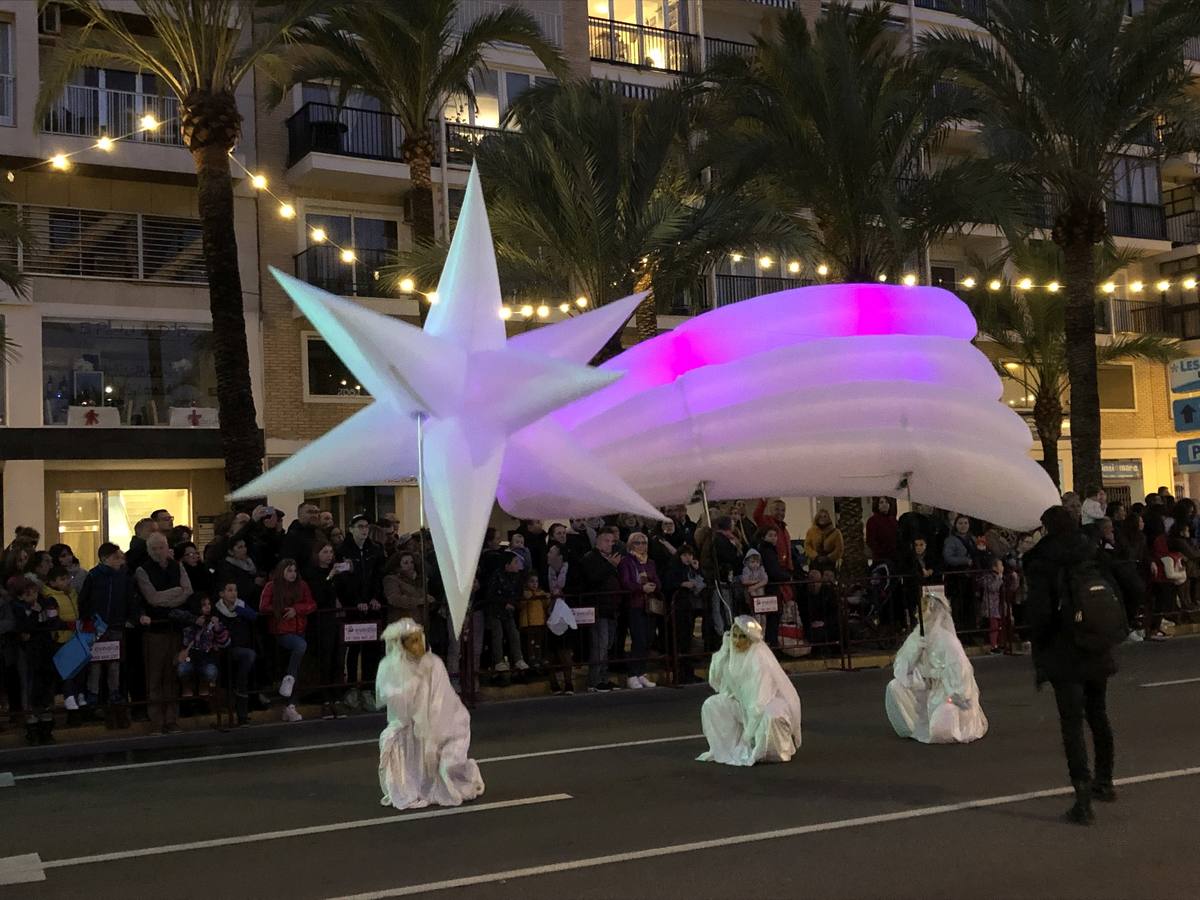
(25, 498)
(23, 378)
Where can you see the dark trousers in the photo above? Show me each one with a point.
(1078, 701)
(162, 683)
(685, 627)
(329, 658)
(639, 640)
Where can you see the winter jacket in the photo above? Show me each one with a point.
(674, 576)
(163, 589)
(243, 573)
(364, 582)
(503, 590)
(404, 597)
(208, 639)
(66, 603)
(633, 575)
(304, 607)
(601, 585)
(107, 593)
(1056, 656)
(239, 622)
(783, 540)
(958, 551)
(882, 531)
(299, 543)
(324, 594)
(824, 543)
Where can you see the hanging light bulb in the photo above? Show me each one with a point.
(506, 312)
(910, 280)
(348, 255)
(433, 298)
(543, 311)
(882, 278)
(1189, 284)
(148, 122)
(581, 302)
(407, 286)
(11, 176)
(1053, 287)
(968, 282)
(258, 181)
(287, 211)
(1162, 286)
(765, 262)
(793, 267)
(105, 143)
(527, 310)
(564, 307)
(1108, 287)
(1136, 287)
(736, 257)
(994, 284)
(59, 161)
(318, 235)
(822, 270)
(1025, 283)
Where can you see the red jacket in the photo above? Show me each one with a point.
(881, 537)
(303, 607)
(783, 540)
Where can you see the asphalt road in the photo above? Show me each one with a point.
(858, 813)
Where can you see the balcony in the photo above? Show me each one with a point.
(1136, 317)
(1191, 49)
(626, 44)
(467, 11)
(717, 47)
(7, 84)
(732, 288)
(972, 7)
(463, 140)
(629, 90)
(91, 112)
(343, 131)
(1136, 220)
(322, 265)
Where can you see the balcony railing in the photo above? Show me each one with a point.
(1138, 317)
(463, 140)
(1184, 228)
(92, 112)
(343, 131)
(715, 47)
(639, 45)
(971, 7)
(732, 288)
(467, 11)
(7, 83)
(1138, 220)
(322, 265)
(628, 89)
(1191, 49)
(87, 243)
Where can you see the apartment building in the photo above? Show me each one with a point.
(109, 410)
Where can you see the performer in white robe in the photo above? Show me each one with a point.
(755, 716)
(423, 750)
(933, 697)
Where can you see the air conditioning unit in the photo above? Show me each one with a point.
(50, 19)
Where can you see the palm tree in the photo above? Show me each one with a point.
(413, 59)
(201, 51)
(594, 196)
(841, 129)
(12, 234)
(1029, 330)
(1063, 90)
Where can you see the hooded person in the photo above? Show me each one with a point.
(755, 715)
(933, 697)
(423, 750)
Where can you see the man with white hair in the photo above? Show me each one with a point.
(755, 715)
(164, 586)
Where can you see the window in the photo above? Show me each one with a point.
(1116, 387)
(127, 373)
(1018, 387)
(326, 374)
(667, 14)
(86, 519)
(495, 90)
(944, 276)
(1136, 181)
(373, 240)
(6, 74)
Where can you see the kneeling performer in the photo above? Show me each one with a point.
(933, 697)
(755, 716)
(423, 750)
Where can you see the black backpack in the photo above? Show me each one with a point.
(1092, 611)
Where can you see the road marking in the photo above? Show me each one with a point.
(394, 819)
(736, 840)
(334, 745)
(23, 869)
(6, 779)
(1168, 683)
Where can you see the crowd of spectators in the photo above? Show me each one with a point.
(230, 626)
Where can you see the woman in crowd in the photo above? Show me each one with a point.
(403, 591)
(959, 555)
(560, 584)
(1163, 591)
(1179, 540)
(824, 539)
(664, 544)
(64, 556)
(237, 567)
(639, 578)
(766, 542)
(38, 567)
(198, 573)
(882, 532)
(325, 627)
(287, 603)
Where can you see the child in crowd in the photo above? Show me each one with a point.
(238, 620)
(60, 603)
(35, 652)
(535, 606)
(202, 641)
(516, 544)
(991, 586)
(754, 580)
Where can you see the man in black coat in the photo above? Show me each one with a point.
(602, 591)
(1079, 677)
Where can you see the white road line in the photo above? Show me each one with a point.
(394, 819)
(1168, 683)
(735, 840)
(6, 779)
(23, 869)
(66, 773)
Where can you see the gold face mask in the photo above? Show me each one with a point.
(415, 644)
(741, 642)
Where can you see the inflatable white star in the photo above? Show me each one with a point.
(472, 390)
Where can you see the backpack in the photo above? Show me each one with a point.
(1092, 611)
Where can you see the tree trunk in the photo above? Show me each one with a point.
(850, 520)
(1047, 418)
(419, 154)
(241, 439)
(1078, 228)
(645, 317)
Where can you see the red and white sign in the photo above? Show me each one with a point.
(766, 604)
(360, 632)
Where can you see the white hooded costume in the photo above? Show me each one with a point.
(933, 697)
(423, 750)
(755, 715)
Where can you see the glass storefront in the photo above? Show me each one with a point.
(86, 519)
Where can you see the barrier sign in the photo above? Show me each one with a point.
(766, 604)
(360, 632)
(585, 615)
(106, 651)
(1184, 375)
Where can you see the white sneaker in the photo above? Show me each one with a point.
(290, 714)
(633, 683)
(646, 682)
(70, 703)
(286, 685)
(1135, 637)
(351, 698)
(502, 666)
(81, 699)
(522, 665)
